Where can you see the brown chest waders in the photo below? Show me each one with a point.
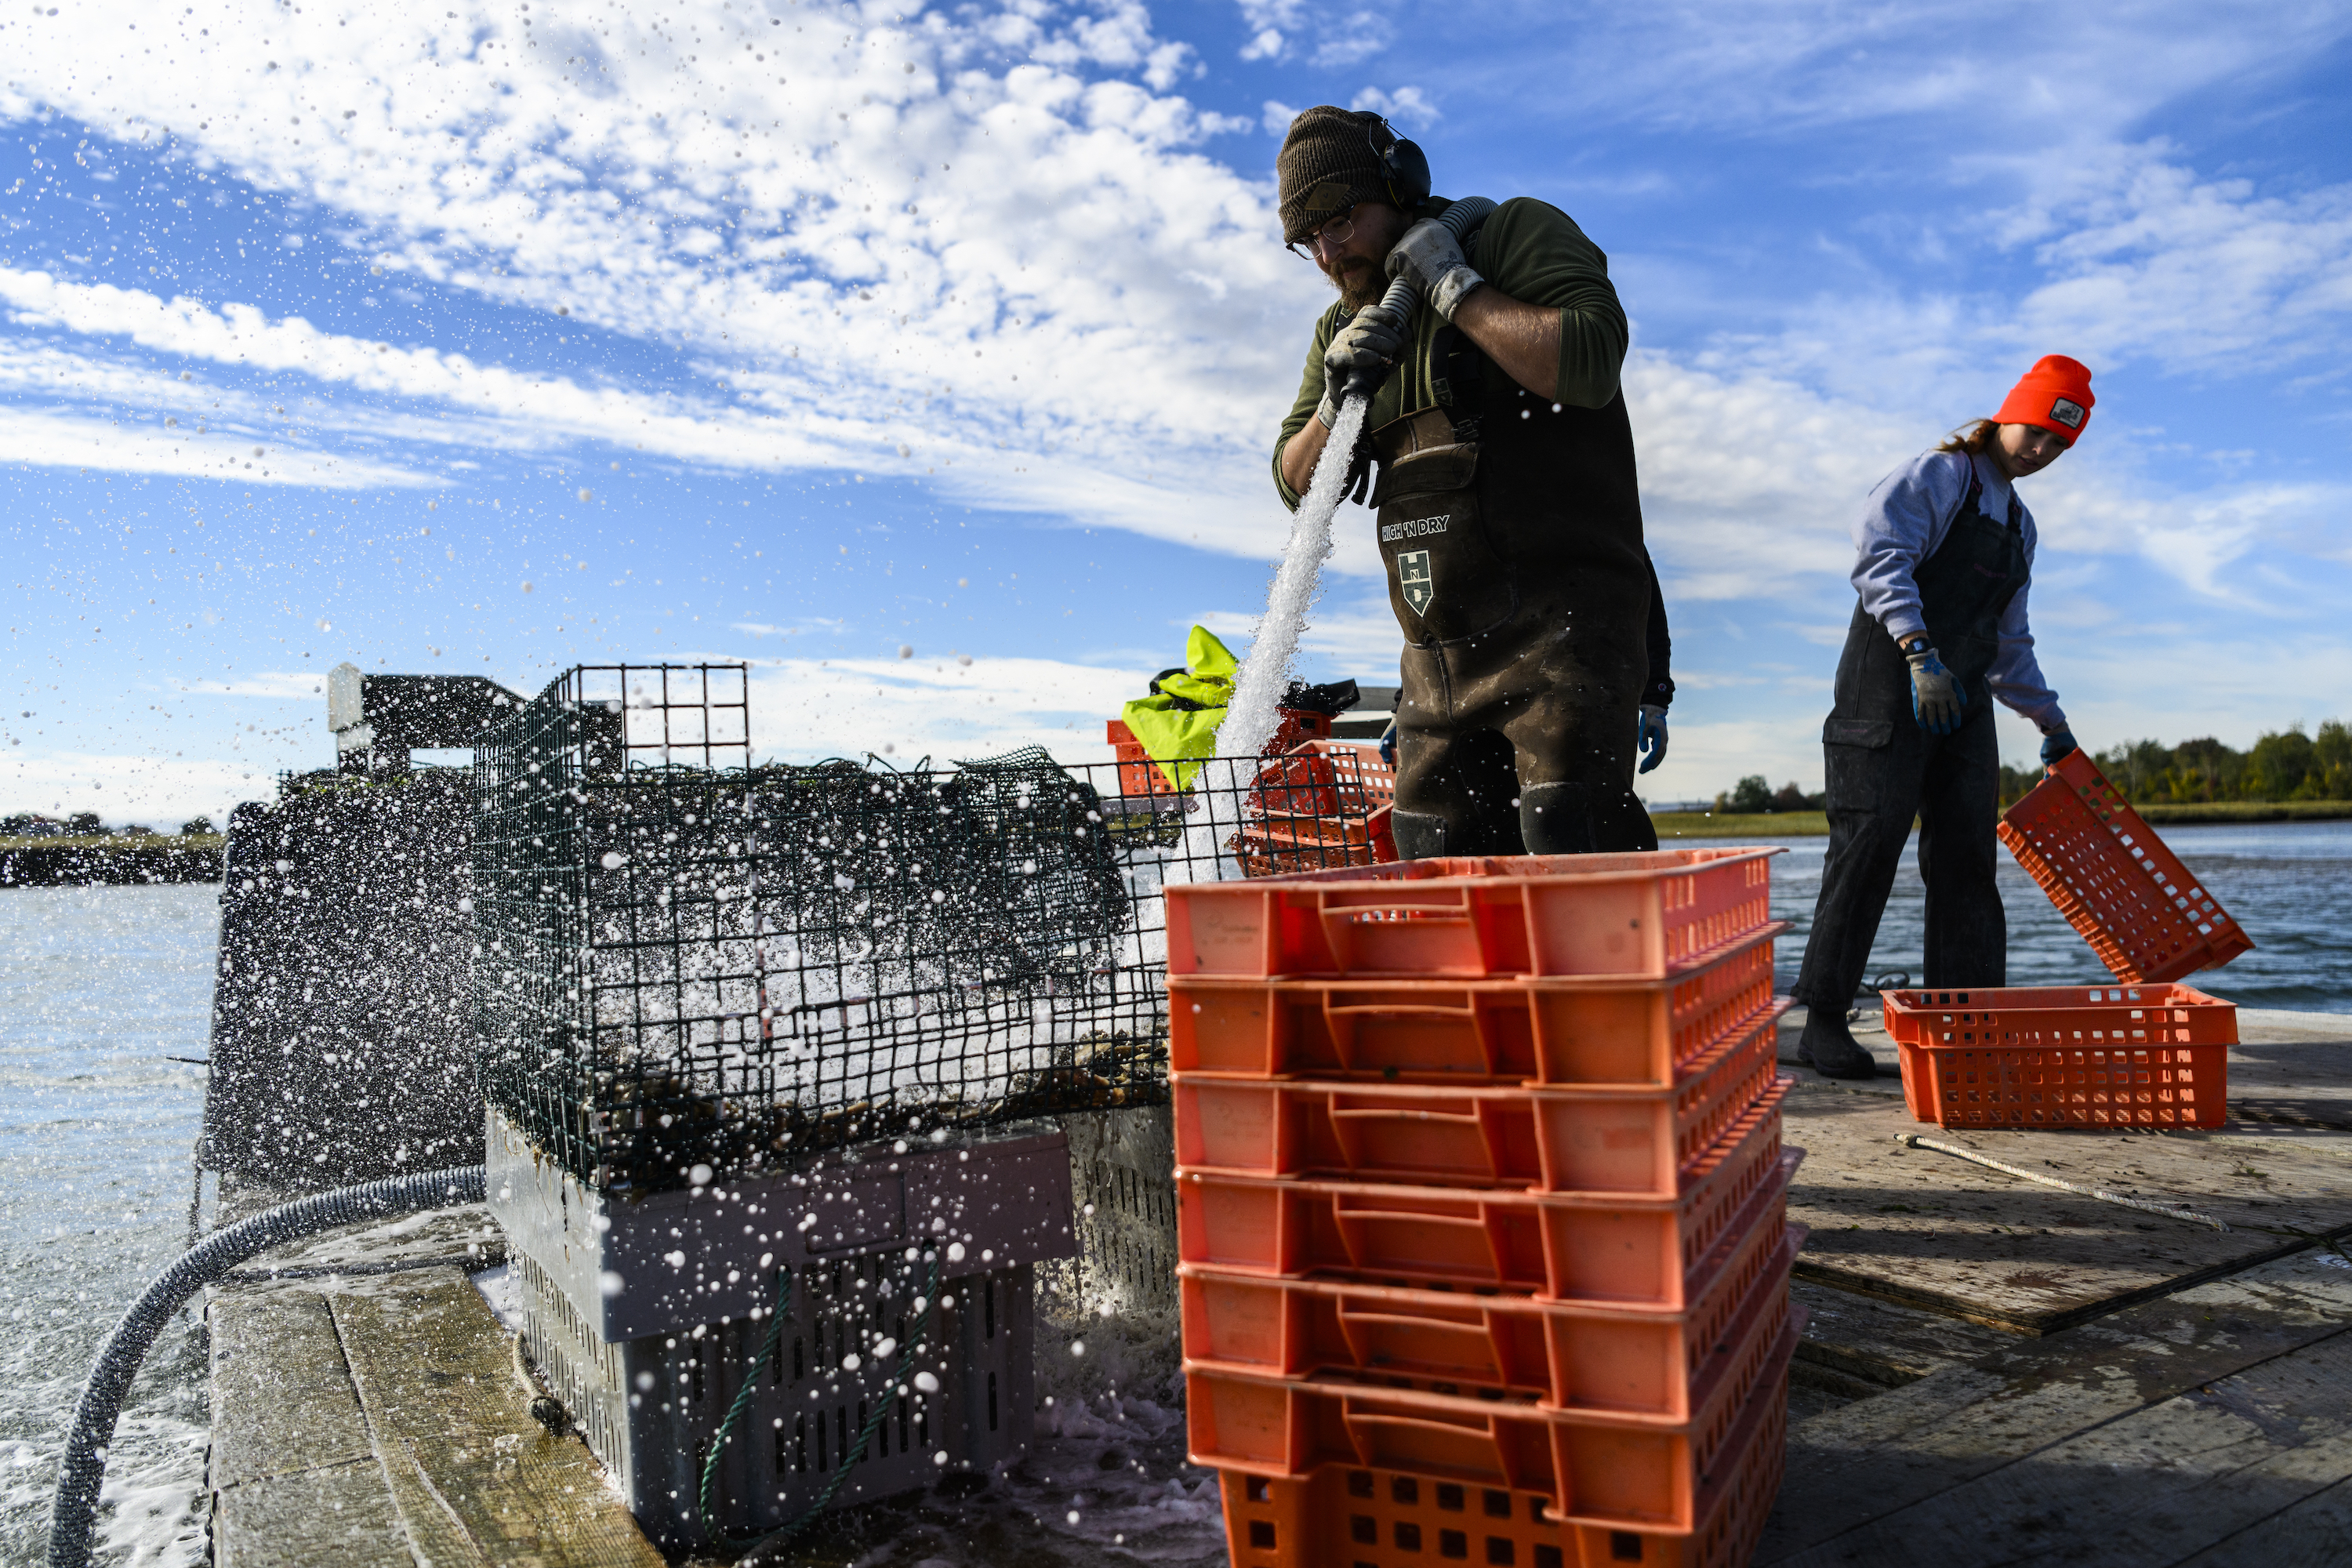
(1511, 530)
(1883, 769)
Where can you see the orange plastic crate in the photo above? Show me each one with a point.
(1324, 778)
(1596, 1140)
(1564, 1032)
(1636, 916)
(2062, 1056)
(2114, 881)
(1341, 1513)
(1601, 1247)
(1563, 1355)
(1138, 775)
(1611, 1470)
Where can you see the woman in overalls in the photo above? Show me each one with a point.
(1944, 553)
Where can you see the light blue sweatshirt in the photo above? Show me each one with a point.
(1905, 519)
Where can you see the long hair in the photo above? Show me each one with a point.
(1972, 437)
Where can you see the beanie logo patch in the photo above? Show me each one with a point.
(2067, 412)
(1328, 200)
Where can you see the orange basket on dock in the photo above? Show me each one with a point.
(2064, 1056)
(2142, 912)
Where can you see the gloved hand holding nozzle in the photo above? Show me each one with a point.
(1360, 356)
(1937, 699)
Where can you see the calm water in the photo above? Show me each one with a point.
(99, 986)
(2289, 884)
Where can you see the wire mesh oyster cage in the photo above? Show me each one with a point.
(688, 958)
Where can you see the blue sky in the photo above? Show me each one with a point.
(931, 358)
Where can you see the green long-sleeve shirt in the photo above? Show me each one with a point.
(1531, 252)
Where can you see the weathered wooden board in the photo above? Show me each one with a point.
(476, 1480)
(1910, 1473)
(2316, 1532)
(338, 1513)
(2153, 1486)
(1877, 1344)
(1923, 1228)
(281, 1396)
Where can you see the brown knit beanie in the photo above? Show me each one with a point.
(1326, 166)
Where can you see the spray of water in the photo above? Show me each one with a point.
(1252, 719)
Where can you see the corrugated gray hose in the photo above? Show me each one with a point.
(75, 1512)
(1399, 300)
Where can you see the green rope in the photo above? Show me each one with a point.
(726, 1432)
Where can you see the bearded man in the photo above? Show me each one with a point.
(1535, 665)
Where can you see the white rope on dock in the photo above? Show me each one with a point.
(1913, 1141)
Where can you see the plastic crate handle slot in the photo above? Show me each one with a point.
(1468, 1446)
(1460, 1245)
(1359, 1133)
(1440, 1341)
(1341, 1016)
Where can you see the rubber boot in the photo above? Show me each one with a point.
(1419, 835)
(1828, 1047)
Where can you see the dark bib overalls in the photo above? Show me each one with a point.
(1883, 769)
(1511, 532)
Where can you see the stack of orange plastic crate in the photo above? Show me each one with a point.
(1482, 1209)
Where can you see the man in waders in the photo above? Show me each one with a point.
(1945, 552)
(1509, 519)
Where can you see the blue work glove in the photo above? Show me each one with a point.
(2055, 745)
(1650, 736)
(1936, 695)
(1388, 744)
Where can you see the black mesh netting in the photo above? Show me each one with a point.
(686, 959)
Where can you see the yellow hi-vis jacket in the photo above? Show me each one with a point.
(1172, 735)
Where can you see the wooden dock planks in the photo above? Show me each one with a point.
(375, 1419)
(2195, 1427)
(1927, 1229)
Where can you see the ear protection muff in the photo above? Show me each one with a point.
(1405, 167)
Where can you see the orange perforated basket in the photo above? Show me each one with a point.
(1570, 1355)
(1559, 1032)
(1568, 1247)
(1640, 915)
(1604, 1139)
(2142, 912)
(2062, 1056)
(1550, 1472)
(1341, 1514)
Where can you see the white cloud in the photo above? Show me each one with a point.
(1406, 106)
(932, 234)
(935, 705)
(156, 791)
(2153, 262)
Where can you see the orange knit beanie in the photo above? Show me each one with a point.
(2055, 396)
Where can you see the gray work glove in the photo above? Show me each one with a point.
(1362, 349)
(1650, 735)
(1431, 259)
(1936, 695)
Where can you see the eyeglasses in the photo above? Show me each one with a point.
(1334, 234)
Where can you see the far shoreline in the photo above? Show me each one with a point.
(1816, 825)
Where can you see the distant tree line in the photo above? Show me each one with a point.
(87, 825)
(2286, 765)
